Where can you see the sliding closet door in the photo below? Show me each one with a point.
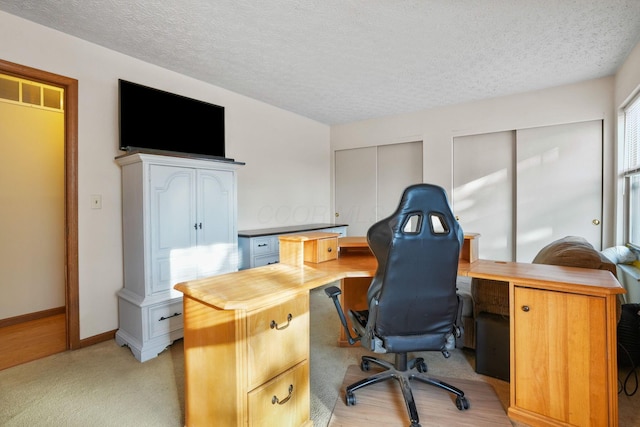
(370, 181)
(483, 190)
(355, 172)
(399, 166)
(559, 185)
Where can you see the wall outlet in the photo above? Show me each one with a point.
(96, 201)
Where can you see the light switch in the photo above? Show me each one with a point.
(96, 201)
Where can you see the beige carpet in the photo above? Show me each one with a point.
(101, 385)
(382, 404)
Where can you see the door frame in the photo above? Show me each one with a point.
(70, 87)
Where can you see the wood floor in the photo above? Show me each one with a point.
(32, 340)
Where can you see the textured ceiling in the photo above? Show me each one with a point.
(338, 61)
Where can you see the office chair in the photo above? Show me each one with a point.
(412, 300)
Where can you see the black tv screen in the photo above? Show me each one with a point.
(155, 120)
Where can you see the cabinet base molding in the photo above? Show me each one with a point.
(148, 350)
(149, 326)
(531, 418)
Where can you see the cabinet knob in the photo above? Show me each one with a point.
(596, 222)
(330, 249)
(525, 308)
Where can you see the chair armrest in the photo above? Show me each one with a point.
(332, 291)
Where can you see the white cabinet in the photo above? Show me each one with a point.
(179, 223)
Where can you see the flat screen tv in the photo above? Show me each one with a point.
(153, 120)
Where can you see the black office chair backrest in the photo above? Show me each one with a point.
(412, 298)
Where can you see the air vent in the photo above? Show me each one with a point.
(34, 94)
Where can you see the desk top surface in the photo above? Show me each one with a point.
(258, 287)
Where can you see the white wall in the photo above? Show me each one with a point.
(437, 127)
(285, 180)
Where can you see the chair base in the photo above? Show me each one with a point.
(403, 371)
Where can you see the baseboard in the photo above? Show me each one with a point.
(96, 339)
(10, 321)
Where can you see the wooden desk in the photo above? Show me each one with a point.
(563, 347)
(247, 347)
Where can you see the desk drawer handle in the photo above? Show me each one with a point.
(275, 399)
(525, 308)
(169, 317)
(274, 325)
(330, 249)
(262, 245)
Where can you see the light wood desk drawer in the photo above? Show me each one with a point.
(283, 401)
(321, 250)
(278, 338)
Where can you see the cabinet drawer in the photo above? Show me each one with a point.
(321, 250)
(164, 319)
(283, 401)
(259, 261)
(264, 245)
(278, 338)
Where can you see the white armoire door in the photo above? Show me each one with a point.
(172, 223)
(559, 185)
(369, 182)
(483, 187)
(216, 235)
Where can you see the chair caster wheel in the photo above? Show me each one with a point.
(350, 399)
(420, 365)
(364, 365)
(462, 403)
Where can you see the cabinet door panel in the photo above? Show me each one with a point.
(560, 355)
(216, 251)
(172, 219)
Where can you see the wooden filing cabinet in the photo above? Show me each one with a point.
(251, 367)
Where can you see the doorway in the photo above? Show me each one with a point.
(32, 326)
